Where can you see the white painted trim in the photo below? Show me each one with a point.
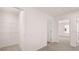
(21, 30)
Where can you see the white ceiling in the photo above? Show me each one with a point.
(56, 11)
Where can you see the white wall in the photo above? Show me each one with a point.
(35, 23)
(8, 26)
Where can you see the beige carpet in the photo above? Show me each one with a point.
(61, 46)
(11, 48)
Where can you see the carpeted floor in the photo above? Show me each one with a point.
(11, 48)
(61, 46)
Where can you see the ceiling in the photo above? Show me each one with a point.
(56, 11)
